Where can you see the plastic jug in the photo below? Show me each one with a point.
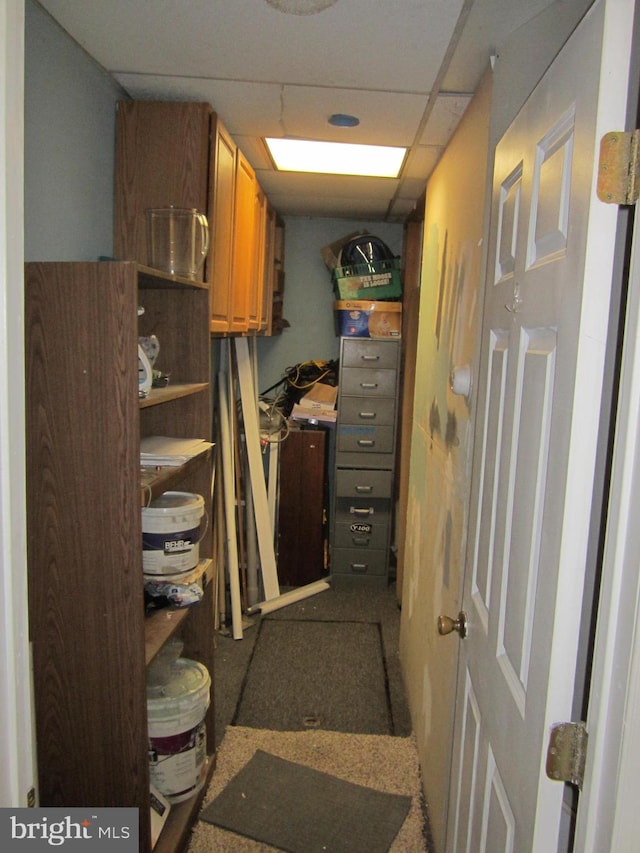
(178, 240)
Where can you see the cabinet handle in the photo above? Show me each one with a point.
(366, 442)
(359, 567)
(368, 385)
(367, 416)
(360, 540)
(364, 489)
(358, 510)
(370, 357)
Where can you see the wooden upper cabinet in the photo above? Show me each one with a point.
(162, 159)
(179, 153)
(243, 244)
(257, 288)
(223, 169)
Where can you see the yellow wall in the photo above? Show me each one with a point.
(439, 482)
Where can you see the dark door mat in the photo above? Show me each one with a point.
(302, 810)
(326, 675)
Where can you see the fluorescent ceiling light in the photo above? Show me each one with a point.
(336, 158)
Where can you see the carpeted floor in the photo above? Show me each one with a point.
(386, 762)
(316, 674)
(383, 762)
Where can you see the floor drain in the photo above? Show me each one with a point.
(311, 722)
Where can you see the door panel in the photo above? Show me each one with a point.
(539, 398)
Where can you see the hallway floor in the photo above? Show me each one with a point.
(380, 606)
(379, 761)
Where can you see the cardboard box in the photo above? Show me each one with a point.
(358, 318)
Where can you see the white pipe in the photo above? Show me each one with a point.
(288, 598)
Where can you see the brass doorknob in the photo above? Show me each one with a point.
(447, 625)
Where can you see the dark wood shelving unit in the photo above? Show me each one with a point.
(90, 636)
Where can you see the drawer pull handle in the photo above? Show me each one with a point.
(370, 358)
(364, 489)
(358, 510)
(366, 442)
(359, 567)
(368, 385)
(367, 416)
(360, 540)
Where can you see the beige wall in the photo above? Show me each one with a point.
(441, 440)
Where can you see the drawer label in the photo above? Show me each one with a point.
(360, 528)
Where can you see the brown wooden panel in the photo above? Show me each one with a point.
(84, 560)
(162, 159)
(222, 203)
(301, 532)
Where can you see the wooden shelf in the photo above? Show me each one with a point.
(148, 277)
(157, 396)
(155, 481)
(182, 817)
(162, 625)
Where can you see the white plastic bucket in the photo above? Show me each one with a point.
(171, 533)
(177, 734)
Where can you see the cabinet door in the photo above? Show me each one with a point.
(223, 170)
(162, 159)
(257, 275)
(268, 268)
(243, 244)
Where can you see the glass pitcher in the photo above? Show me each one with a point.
(177, 240)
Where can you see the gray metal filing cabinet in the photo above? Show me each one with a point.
(364, 460)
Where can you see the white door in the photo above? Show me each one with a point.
(539, 399)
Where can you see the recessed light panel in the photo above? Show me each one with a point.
(336, 158)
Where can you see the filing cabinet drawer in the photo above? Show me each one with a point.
(368, 410)
(361, 535)
(365, 439)
(360, 509)
(361, 483)
(354, 562)
(355, 382)
(369, 353)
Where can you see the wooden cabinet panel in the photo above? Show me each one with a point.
(179, 153)
(162, 159)
(90, 639)
(224, 172)
(243, 244)
(301, 531)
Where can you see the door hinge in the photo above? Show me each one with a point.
(567, 753)
(618, 168)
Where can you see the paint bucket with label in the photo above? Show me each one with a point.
(171, 533)
(176, 709)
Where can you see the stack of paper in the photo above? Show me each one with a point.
(160, 450)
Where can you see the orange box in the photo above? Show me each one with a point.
(360, 318)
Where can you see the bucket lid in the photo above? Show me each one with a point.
(176, 500)
(185, 677)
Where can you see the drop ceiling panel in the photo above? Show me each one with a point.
(267, 73)
(338, 208)
(345, 186)
(245, 108)
(444, 118)
(389, 118)
(250, 40)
